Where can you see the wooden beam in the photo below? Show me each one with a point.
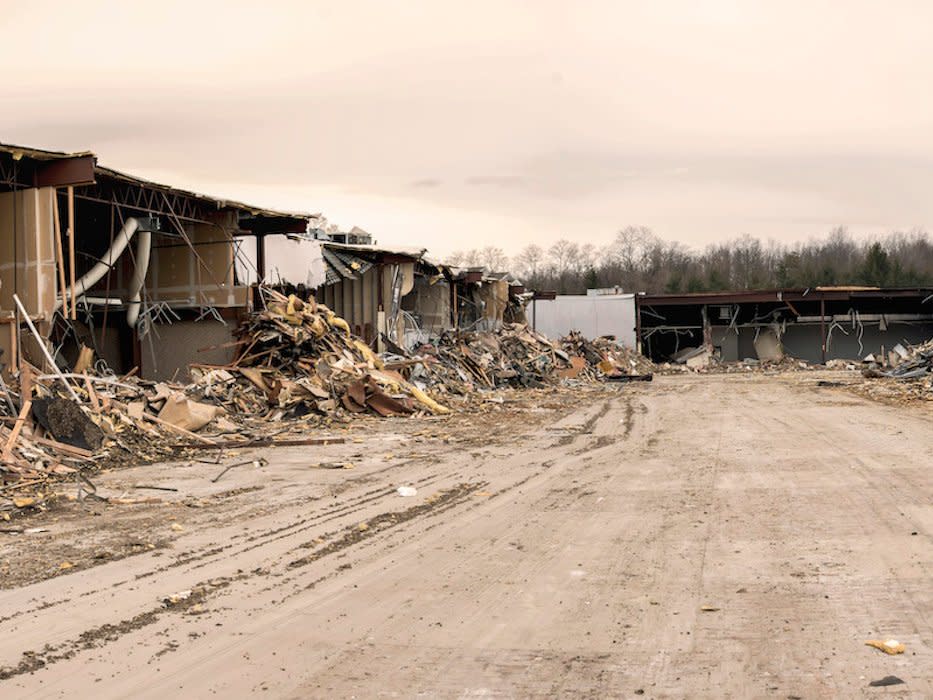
(71, 251)
(17, 427)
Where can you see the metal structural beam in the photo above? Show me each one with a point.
(262, 225)
(64, 172)
(144, 199)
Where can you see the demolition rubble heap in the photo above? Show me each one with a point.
(462, 363)
(904, 376)
(607, 358)
(295, 359)
(466, 362)
(298, 357)
(69, 424)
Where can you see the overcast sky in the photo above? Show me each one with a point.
(461, 124)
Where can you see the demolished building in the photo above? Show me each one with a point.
(817, 324)
(402, 297)
(140, 272)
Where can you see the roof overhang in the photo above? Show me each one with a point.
(782, 296)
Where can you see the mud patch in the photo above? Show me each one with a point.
(385, 521)
(97, 637)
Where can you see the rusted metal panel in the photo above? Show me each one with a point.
(64, 171)
(274, 224)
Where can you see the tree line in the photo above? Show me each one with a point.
(639, 261)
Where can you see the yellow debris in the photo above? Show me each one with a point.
(337, 322)
(888, 646)
(433, 405)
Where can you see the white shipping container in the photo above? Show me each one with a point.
(592, 315)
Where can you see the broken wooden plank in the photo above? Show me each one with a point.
(261, 442)
(62, 447)
(181, 431)
(17, 427)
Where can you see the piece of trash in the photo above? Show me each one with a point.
(65, 565)
(35, 530)
(177, 598)
(362, 526)
(888, 646)
(177, 528)
(709, 608)
(406, 491)
(886, 681)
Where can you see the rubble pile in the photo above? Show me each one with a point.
(905, 376)
(915, 362)
(461, 363)
(706, 363)
(604, 357)
(516, 356)
(294, 359)
(68, 424)
(297, 357)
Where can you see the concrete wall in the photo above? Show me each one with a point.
(725, 343)
(27, 267)
(27, 250)
(591, 315)
(170, 347)
(357, 302)
(429, 304)
(803, 341)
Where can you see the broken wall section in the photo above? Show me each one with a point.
(27, 267)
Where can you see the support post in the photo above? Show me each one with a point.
(637, 324)
(707, 330)
(71, 253)
(260, 258)
(823, 328)
(59, 250)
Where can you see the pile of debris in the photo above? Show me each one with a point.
(604, 358)
(294, 359)
(297, 358)
(462, 363)
(67, 424)
(701, 361)
(905, 374)
(914, 362)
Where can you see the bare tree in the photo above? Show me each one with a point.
(563, 255)
(494, 259)
(631, 245)
(529, 261)
(456, 258)
(472, 258)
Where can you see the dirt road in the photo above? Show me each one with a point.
(730, 536)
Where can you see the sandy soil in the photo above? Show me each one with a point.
(719, 536)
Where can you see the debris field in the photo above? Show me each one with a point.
(489, 512)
